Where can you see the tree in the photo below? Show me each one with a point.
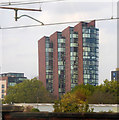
(83, 91)
(106, 93)
(71, 103)
(88, 87)
(29, 91)
(100, 97)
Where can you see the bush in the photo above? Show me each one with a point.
(35, 110)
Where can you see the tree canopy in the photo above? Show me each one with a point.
(32, 91)
(81, 95)
(83, 90)
(71, 103)
(29, 91)
(106, 93)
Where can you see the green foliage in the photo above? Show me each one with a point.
(100, 97)
(29, 91)
(109, 86)
(83, 91)
(35, 110)
(105, 93)
(87, 87)
(77, 100)
(71, 103)
(3, 101)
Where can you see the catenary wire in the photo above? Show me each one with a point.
(50, 24)
(24, 3)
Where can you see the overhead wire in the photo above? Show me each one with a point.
(26, 2)
(50, 24)
(23, 26)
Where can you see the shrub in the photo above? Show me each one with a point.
(35, 110)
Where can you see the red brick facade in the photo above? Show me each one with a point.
(78, 28)
(41, 60)
(66, 34)
(53, 39)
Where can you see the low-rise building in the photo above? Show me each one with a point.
(9, 79)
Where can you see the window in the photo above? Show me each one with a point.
(75, 35)
(61, 40)
(59, 89)
(73, 44)
(3, 86)
(3, 91)
(60, 63)
(72, 58)
(50, 76)
(49, 50)
(51, 45)
(86, 49)
(2, 96)
(61, 67)
(86, 35)
(73, 53)
(61, 49)
(73, 49)
(59, 45)
(71, 35)
(46, 63)
(47, 45)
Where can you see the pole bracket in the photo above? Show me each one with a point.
(16, 17)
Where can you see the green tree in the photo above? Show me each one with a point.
(29, 91)
(88, 87)
(106, 93)
(100, 97)
(71, 103)
(83, 91)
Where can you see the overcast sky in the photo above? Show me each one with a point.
(19, 47)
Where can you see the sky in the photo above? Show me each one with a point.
(19, 47)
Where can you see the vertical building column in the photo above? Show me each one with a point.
(41, 60)
(78, 28)
(66, 34)
(53, 39)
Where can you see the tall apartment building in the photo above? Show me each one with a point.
(9, 79)
(69, 58)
